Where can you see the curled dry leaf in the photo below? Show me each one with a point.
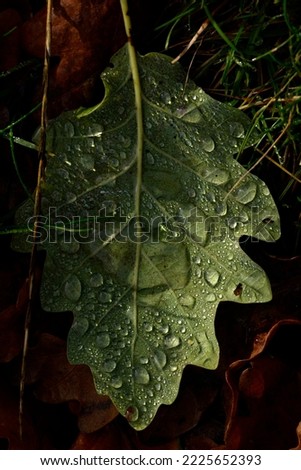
(56, 381)
(266, 392)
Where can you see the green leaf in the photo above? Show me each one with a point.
(143, 264)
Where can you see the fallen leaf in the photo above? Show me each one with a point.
(57, 381)
(142, 315)
(266, 392)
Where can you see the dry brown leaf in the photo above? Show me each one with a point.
(57, 381)
(266, 392)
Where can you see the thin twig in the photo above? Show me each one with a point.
(201, 29)
(37, 210)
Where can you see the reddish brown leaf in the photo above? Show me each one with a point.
(10, 40)
(266, 389)
(110, 437)
(57, 381)
(85, 34)
(197, 392)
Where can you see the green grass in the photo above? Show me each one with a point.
(249, 55)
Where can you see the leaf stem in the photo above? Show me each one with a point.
(139, 157)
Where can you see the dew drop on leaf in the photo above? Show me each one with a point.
(96, 280)
(160, 359)
(187, 301)
(211, 277)
(237, 129)
(164, 329)
(216, 175)
(103, 340)
(109, 365)
(73, 288)
(81, 326)
(69, 129)
(116, 381)
(208, 144)
(105, 297)
(221, 208)
(246, 192)
(211, 297)
(132, 413)
(171, 341)
(141, 376)
(87, 161)
(148, 327)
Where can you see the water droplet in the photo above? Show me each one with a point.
(212, 277)
(164, 329)
(103, 340)
(143, 360)
(246, 192)
(237, 129)
(173, 368)
(73, 288)
(171, 341)
(232, 222)
(81, 326)
(160, 358)
(221, 208)
(105, 297)
(116, 381)
(243, 217)
(158, 387)
(109, 365)
(265, 190)
(95, 130)
(150, 158)
(141, 376)
(96, 280)
(148, 327)
(166, 98)
(187, 301)
(208, 144)
(132, 413)
(87, 161)
(188, 113)
(191, 192)
(210, 297)
(69, 129)
(215, 175)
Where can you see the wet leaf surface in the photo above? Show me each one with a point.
(144, 301)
